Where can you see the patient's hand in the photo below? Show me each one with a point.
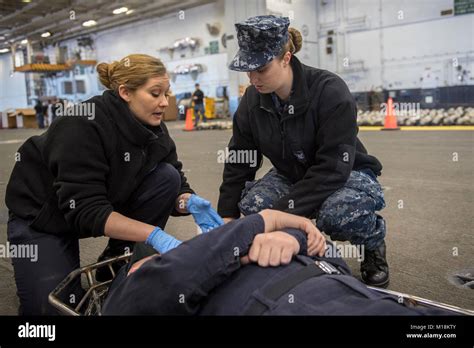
(277, 220)
(272, 249)
(139, 263)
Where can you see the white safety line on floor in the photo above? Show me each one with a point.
(12, 141)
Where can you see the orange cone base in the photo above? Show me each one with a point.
(189, 124)
(390, 123)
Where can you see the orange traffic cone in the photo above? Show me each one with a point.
(390, 118)
(189, 125)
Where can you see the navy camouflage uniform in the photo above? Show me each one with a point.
(321, 168)
(347, 214)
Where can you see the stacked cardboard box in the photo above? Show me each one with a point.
(19, 118)
(171, 113)
(11, 119)
(29, 117)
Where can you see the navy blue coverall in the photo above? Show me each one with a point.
(204, 276)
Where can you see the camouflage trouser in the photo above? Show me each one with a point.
(347, 214)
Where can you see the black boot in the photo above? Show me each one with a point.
(374, 268)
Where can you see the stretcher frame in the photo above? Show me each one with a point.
(91, 303)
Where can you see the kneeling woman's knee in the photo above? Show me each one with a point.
(169, 175)
(347, 215)
(164, 177)
(256, 200)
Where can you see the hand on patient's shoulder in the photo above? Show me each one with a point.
(272, 249)
(277, 220)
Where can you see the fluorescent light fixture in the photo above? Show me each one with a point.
(89, 23)
(24, 41)
(4, 50)
(129, 12)
(46, 34)
(120, 10)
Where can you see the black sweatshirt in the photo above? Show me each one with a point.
(200, 97)
(314, 143)
(70, 178)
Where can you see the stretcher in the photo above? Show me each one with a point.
(95, 292)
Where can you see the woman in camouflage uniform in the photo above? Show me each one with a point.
(303, 119)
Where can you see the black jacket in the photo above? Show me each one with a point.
(70, 178)
(314, 143)
(200, 97)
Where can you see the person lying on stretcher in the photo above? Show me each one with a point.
(257, 265)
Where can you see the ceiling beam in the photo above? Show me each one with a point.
(58, 20)
(143, 14)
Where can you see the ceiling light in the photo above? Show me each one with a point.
(46, 34)
(120, 10)
(4, 50)
(89, 23)
(24, 41)
(129, 12)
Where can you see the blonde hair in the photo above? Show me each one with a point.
(294, 43)
(133, 71)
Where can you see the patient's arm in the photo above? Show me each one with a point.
(176, 282)
(267, 249)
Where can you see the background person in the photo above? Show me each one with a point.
(199, 110)
(39, 114)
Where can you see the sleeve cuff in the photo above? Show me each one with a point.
(300, 237)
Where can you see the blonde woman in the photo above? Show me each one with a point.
(109, 168)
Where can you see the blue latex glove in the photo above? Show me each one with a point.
(161, 241)
(203, 213)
